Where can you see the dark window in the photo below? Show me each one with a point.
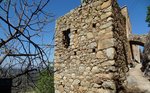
(93, 50)
(94, 25)
(75, 31)
(66, 38)
(75, 53)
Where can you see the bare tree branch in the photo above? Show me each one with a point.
(22, 22)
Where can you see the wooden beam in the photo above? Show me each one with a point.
(137, 39)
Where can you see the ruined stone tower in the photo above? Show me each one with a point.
(91, 49)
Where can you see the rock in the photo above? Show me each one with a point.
(57, 91)
(106, 25)
(71, 80)
(95, 69)
(83, 38)
(92, 45)
(87, 69)
(58, 77)
(81, 77)
(109, 85)
(73, 75)
(103, 91)
(71, 36)
(81, 89)
(106, 15)
(76, 82)
(90, 92)
(132, 80)
(90, 35)
(111, 69)
(96, 85)
(100, 54)
(109, 18)
(103, 76)
(105, 34)
(136, 83)
(106, 4)
(78, 61)
(67, 90)
(81, 69)
(64, 78)
(61, 88)
(106, 43)
(108, 9)
(63, 65)
(110, 52)
(108, 63)
(85, 73)
(85, 83)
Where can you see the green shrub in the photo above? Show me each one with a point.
(45, 83)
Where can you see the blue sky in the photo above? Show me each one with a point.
(137, 12)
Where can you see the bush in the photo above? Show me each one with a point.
(45, 83)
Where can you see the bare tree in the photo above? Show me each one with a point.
(22, 23)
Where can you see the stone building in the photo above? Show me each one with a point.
(133, 49)
(92, 49)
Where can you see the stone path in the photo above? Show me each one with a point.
(136, 82)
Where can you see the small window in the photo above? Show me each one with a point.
(66, 38)
(79, 84)
(94, 25)
(93, 50)
(75, 31)
(75, 53)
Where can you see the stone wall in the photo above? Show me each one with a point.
(121, 47)
(133, 50)
(124, 12)
(90, 52)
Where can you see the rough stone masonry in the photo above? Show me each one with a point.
(91, 49)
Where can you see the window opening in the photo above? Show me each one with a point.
(94, 25)
(93, 50)
(66, 38)
(75, 31)
(75, 53)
